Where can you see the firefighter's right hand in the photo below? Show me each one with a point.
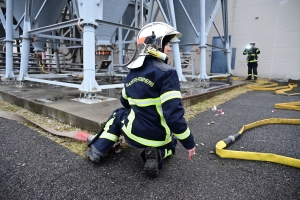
(192, 152)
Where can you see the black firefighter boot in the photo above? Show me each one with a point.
(151, 162)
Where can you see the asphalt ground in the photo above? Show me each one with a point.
(34, 167)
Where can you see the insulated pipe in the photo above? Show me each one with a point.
(9, 40)
(175, 45)
(25, 44)
(203, 74)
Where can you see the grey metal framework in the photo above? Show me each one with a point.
(85, 27)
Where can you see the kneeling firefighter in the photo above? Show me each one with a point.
(152, 117)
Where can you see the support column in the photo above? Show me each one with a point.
(9, 40)
(175, 45)
(203, 74)
(89, 83)
(25, 44)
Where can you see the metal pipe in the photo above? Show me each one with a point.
(188, 16)
(2, 18)
(228, 52)
(57, 37)
(19, 22)
(40, 10)
(116, 25)
(212, 17)
(128, 31)
(163, 12)
(9, 40)
(25, 44)
(202, 41)
(150, 10)
(54, 26)
(142, 13)
(155, 14)
(136, 14)
(120, 46)
(218, 32)
(175, 45)
(56, 52)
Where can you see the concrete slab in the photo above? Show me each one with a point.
(62, 104)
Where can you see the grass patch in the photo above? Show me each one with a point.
(75, 146)
(80, 147)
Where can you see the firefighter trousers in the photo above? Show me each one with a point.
(112, 130)
(252, 70)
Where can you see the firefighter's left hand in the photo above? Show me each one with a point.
(192, 152)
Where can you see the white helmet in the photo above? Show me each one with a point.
(150, 41)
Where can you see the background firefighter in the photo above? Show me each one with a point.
(252, 60)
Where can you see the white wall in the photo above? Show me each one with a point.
(274, 25)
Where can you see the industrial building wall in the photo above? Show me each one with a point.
(274, 25)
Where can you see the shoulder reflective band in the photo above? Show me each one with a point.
(124, 94)
(170, 95)
(269, 157)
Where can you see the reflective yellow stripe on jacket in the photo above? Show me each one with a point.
(157, 102)
(183, 135)
(105, 134)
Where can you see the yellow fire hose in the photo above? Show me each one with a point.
(43, 70)
(256, 155)
(269, 157)
(277, 90)
(289, 105)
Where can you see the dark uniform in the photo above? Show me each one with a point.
(152, 115)
(252, 60)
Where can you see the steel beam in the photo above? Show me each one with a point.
(116, 25)
(54, 27)
(188, 16)
(57, 37)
